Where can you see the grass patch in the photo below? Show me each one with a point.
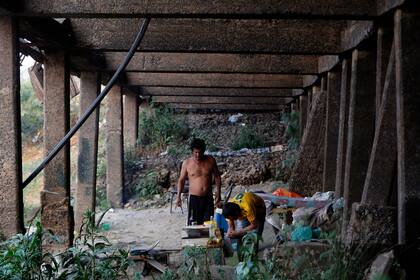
(247, 138)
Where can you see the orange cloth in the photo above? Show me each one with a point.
(286, 193)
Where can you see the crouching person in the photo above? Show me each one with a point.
(248, 210)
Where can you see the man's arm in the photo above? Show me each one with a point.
(231, 228)
(181, 182)
(241, 232)
(218, 181)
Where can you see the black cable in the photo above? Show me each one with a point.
(93, 106)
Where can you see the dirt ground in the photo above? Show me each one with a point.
(131, 228)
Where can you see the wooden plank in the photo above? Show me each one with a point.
(219, 8)
(188, 91)
(216, 80)
(212, 35)
(221, 100)
(215, 62)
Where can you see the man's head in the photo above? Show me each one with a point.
(231, 211)
(198, 147)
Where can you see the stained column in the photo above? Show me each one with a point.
(11, 205)
(88, 148)
(56, 212)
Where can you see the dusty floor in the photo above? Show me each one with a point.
(142, 228)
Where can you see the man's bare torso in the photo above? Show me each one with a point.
(200, 175)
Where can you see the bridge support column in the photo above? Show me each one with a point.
(331, 130)
(303, 106)
(360, 128)
(88, 148)
(131, 119)
(407, 56)
(342, 127)
(11, 205)
(380, 174)
(56, 212)
(114, 148)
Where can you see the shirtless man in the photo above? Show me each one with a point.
(200, 170)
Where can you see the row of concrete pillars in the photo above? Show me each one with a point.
(370, 148)
(121, 127)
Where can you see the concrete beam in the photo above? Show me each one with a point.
(214, 35)
(232, 92)
(88, 148)
(407, 40)
(11, 202)
(131, 119)
(361, 123)
(114, 148)
(215, 62)
(221, 8)
(56, 212)
(221, 100)
(216, 80)
(227, 107)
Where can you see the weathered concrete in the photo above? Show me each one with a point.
(322, 8)
(114, 148)
(372, 224)
(342, 127)
(380, 174)
(407, 41)
(361, 122)
(190, 91)
(221, 100)
(307, 174)
(214, 35)
(216, 80)
(331, 130)
(216, 62)
(56, 212)
(233, 107)
(303, 99)
(88, 148)
(11, 204)
(131, 119)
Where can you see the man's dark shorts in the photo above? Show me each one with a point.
(201, 208)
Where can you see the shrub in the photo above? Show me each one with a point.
(247, 138)
(32, 116)
(161, 127)
(147, 186)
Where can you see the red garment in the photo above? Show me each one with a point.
(285, 193)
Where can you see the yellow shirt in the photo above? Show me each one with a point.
(251, 205)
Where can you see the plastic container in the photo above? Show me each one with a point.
(221, 221)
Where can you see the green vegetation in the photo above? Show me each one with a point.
(91, 257)
(32, 116)
(147, 186)
(247, 138)
(160, 127)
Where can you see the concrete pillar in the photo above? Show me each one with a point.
(11, 205)
(379, 178)
(56, 212)
(88, 148)
(303, 99)
(342, 127)
(331, 130)
(131, 119)
(407, 56)
(114, 148)
(360, 128)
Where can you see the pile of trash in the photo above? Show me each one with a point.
(297, 218)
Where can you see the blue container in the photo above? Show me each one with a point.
(221, 222)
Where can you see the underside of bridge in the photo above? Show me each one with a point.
(350, 67)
